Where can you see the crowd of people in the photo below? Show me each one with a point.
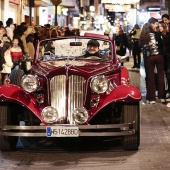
(153, 40)
(17, 41)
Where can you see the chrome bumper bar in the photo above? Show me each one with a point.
(84, 130)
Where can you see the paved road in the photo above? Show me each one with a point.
(153, 153)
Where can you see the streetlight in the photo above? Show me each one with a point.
(56, 3)
(92, 8)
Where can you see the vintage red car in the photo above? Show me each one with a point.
(69, 94)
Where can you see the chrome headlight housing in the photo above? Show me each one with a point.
(99, 84)
(49, 114)
(30, 83)
(80, 115)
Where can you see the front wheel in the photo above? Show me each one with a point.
(7, 143)
(131, 113)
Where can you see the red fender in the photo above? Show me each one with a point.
(14, 93)
(124, 76)
(122, 93)
(125, 72)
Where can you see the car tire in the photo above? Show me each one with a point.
(7, 143)
(131, 112)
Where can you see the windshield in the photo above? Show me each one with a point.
(85, 48)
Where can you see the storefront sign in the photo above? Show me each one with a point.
(41, 3)
(117, 8)
(154, 8)
(15, 1)
(68, 3)
(120, 1)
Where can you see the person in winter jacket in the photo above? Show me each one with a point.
(1, 45)
(121, 43)
(10, 28)
(7, 60)
(16, 51)
(30, 45)
(136, 49)
(152, 44)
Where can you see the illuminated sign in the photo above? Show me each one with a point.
(68, 3)
(120, 1)
(15, 1)
(156, 8)
(117, 8)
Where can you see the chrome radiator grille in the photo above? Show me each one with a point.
(66, 100)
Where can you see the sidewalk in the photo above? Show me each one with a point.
(158, 107)
(130, 64)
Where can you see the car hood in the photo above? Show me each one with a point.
(83, 65)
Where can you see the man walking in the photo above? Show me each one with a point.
(136, 49)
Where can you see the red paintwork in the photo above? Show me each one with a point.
(122, 93)
(47, 69)
(13, 93)
(124, 73)
(86, 68)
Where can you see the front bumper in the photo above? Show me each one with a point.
(84, 130)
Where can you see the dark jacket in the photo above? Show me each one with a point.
(95, 54)
(121, 43)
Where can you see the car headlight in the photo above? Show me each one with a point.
(30, 83)
(99, 84)
(49, 114)
(80, 115)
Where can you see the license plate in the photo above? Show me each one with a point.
(62, 131)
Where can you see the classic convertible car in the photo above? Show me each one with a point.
(68, 94)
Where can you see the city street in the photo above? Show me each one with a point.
(153, 153)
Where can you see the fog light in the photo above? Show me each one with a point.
(49, 114)
(80, 115)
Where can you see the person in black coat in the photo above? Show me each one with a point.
(121, 41)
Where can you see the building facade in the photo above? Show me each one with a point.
(84, 14)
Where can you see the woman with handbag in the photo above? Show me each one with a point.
(152, 44)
